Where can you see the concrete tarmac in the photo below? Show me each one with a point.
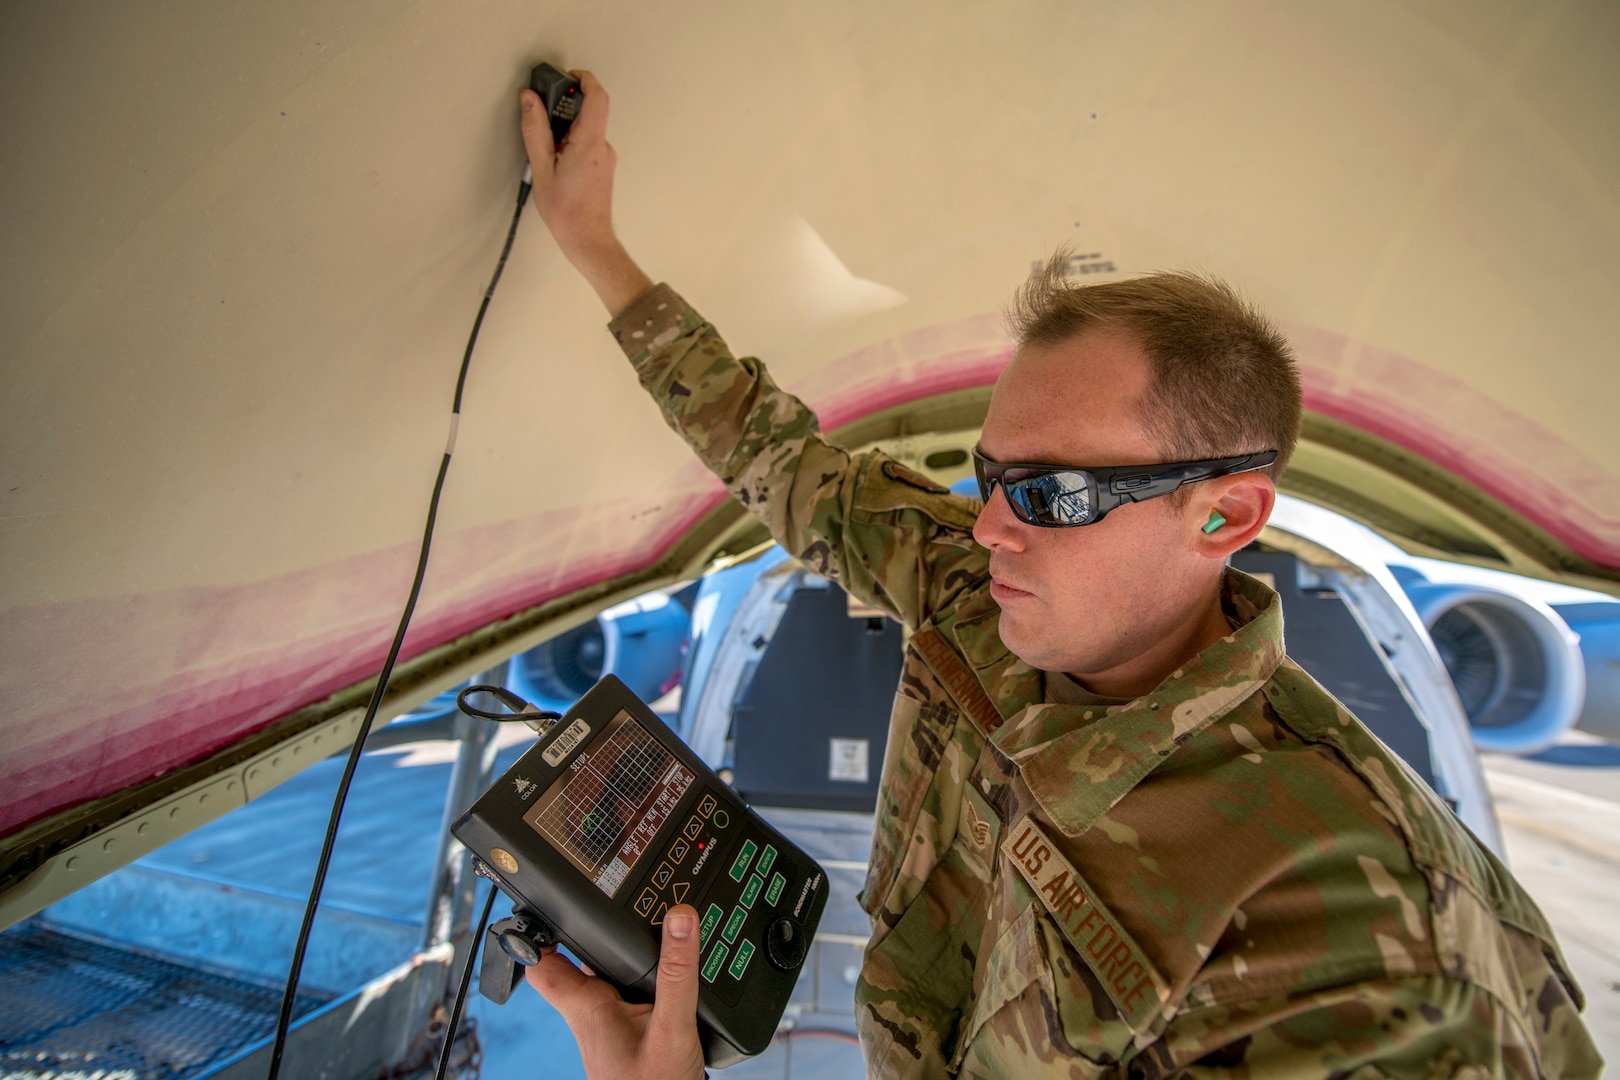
(1560, 815)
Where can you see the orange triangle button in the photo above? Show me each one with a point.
(679, 890)
(658, 917)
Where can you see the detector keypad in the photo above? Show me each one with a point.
(732, 874)
(686, 859)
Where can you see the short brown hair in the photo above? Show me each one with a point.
(1224, 380)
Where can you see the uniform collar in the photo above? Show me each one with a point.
(1078, 763)
(1011, 684)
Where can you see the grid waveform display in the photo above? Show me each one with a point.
(607, 807)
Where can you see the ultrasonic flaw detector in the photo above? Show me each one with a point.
(608, 822)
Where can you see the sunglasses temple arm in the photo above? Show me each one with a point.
(1165, 484)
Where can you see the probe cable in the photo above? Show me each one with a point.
(540, 720)
(466, 980)
(523, 712)
(284, 1021)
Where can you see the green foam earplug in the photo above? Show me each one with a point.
(1215, 521)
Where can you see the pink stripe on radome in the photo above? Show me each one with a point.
(919, 364)
(1530, 469)
(1508, 456)
(85, 718)
(103, 694)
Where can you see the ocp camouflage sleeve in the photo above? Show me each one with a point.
(885, 533)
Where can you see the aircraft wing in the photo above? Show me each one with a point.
(244, 244)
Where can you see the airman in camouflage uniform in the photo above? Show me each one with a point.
(1224, 876)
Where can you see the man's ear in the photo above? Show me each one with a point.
(1227, 513)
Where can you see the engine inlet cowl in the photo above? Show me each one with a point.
(1516, 664)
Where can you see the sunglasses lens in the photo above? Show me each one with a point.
(1038, 496)
(1049, 498)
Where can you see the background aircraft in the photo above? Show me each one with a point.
(242, 247)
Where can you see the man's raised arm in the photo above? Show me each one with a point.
(888, 535)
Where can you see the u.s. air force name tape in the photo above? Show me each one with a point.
(1133, 984)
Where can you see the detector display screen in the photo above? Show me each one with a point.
(604, 812)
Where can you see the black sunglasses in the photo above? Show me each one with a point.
(1060, 497)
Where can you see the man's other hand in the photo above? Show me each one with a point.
(618, 1041)
(573, 192)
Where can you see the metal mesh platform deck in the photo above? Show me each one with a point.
(74, 1007)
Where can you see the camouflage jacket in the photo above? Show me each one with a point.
(1227, 877)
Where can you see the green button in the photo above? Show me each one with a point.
(774, 893)
(751, 893)
(745, 953)
(716, 960)
(711, 919)
(734, 924)
(744, 857)
(721, 819)
(766, 860)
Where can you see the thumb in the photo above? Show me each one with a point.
(674, 1014)
(536, 127)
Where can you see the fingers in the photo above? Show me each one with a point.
(536, 133)
(674, 1014)
(590, 126)
(564, 986)
(573, 192)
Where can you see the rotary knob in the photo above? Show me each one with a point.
(786, 944)
(522, 937)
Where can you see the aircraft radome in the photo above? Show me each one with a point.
(243, 246)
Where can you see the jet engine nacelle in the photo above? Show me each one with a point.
(639, 641)
(1515, 662)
